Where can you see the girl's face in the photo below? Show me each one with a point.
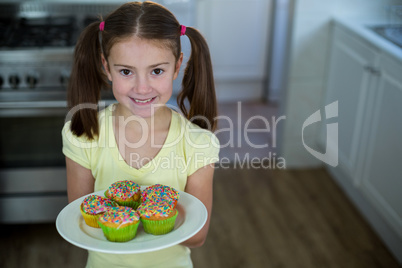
(142, 75)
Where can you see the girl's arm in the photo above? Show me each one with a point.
(199, 184)
(80, 181)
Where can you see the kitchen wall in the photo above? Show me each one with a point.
(306, 79)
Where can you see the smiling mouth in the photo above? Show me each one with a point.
(143, 101)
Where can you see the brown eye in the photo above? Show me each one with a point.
(125, 72)
(157, 71)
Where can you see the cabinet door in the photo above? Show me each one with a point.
(348, 83)
(382, 177)
(237, 33)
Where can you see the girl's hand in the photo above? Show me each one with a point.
(200, 185)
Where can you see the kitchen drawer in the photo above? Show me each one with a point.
(31, 209)
(33, 180)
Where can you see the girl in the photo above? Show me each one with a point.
(136, 50)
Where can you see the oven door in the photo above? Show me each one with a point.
(32, 166)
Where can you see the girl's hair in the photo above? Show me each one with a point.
(149, 21)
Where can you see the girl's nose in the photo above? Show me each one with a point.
(142, 85)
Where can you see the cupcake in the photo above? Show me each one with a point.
(125, 193)
(119, 224)
(94, 206)
(158, 193)
(157, 217)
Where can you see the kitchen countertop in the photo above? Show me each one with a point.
(361, 28)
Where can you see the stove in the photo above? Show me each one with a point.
(36, 53)
(39, 32)
(37, 42)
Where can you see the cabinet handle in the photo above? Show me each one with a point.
(372, 70)
(368, 68)
(376, 72)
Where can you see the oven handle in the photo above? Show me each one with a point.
(33, 104)
(38, 108)
(42, 104)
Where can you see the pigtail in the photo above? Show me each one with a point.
(198, 84)
(86, 81)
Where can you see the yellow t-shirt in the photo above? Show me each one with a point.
(186, 149)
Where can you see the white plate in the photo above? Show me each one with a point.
(71, 226)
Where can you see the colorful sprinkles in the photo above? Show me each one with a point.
(160, 193)
(120, 215)
(95, 204)
(123, 189)
(157, 209)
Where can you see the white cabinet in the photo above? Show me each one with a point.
(382, 176)
(349, 84)
(238, 35)
(367, 83)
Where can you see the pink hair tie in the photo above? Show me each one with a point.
(102, 26)
(182, 30)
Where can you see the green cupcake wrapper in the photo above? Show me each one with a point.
(160, 227)
(131, 204)
(121, 234)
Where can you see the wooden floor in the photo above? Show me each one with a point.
(261, 218)
(273, 218)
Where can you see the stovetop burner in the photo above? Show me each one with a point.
(38, 32)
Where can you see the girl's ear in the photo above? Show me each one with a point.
(106, 68)
(178, 64)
